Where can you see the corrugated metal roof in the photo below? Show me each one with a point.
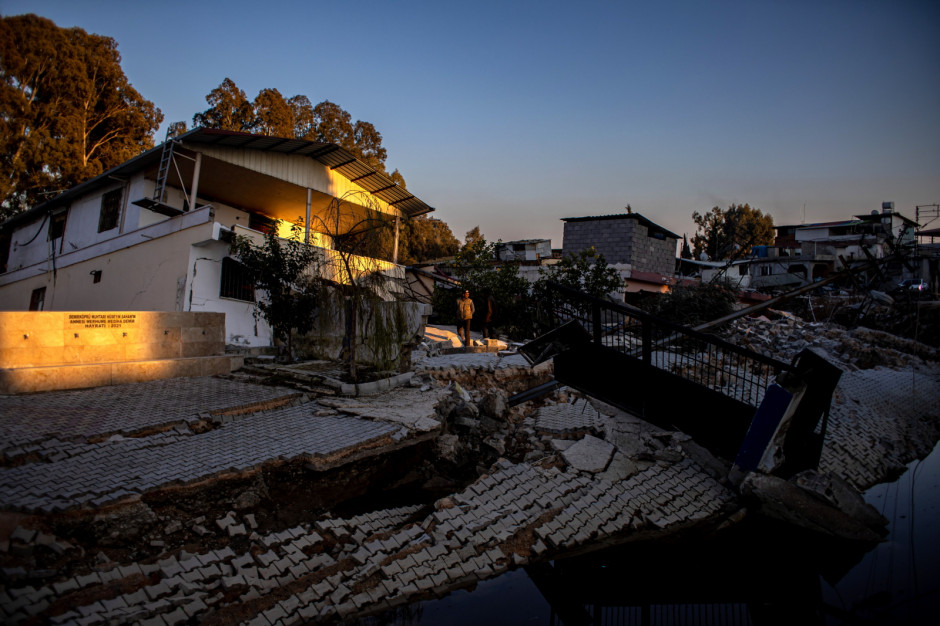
(331, 155)
(335, 157)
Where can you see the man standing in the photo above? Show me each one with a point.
(465, 311)
(490, 314)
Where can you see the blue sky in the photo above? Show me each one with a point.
(512, 115)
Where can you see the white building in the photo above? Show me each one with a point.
(526, 250)
(153, 233)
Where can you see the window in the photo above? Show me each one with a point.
(262, 223)
(110, 210)
(6, 239)
(37, 301)
(57, 225)
(237, 282)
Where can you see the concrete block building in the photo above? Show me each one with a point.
(627, 238)
(643, 251)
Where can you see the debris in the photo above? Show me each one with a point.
(780, 499)
(589, 455)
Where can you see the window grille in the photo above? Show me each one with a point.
(57, 226)
(110, 210)
(237, 282)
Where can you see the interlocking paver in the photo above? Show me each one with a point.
(129, 470)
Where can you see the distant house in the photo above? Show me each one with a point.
(808, 252)
(153, 233)
(531, 251)
(643, 251)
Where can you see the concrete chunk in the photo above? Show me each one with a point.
(589, 455)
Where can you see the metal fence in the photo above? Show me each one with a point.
(701, 358)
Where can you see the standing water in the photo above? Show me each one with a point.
(758, 573)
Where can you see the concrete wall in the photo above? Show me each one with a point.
(242, 327)
(46, 351)
(386, 331)
(40, 338)
(137, 273)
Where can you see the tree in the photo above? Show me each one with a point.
(425, 238)
(586, 271)
(686, 252)
(68, 111)
(473, 237)
(367, 143)
(295, 117)
(281, 269)
(354, 273)
(305, 126)
(176, 129)
(333, 124)
(732, 232)
(273, 115)
(229, 109)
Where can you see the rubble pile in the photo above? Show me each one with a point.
(333, 568)
(211, 533)
(783, 335)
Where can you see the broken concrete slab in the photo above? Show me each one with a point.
(405, 405)
(786, 501)
(621, 467)
(589, 455)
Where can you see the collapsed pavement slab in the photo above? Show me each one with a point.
(337, 567)
(590, 454)
(411, 407)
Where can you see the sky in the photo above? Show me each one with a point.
(512, 115)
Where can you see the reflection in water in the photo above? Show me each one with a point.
(759, 573)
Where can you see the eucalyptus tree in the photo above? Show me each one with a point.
(68, 110)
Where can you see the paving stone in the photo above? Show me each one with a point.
(589, 455)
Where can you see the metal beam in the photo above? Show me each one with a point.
(397, 201)
(316, 154)
(363, 176)
(386, 188)
(349, 162)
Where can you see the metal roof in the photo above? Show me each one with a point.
(333, 156)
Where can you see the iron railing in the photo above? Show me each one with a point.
(698, 357)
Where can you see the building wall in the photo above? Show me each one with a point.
(148, 276)
(622, 241)
(203, 294)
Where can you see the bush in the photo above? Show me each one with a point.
(695, 304)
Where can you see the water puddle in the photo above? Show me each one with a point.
(759, 573)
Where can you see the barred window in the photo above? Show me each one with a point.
(237, 282)
(37, 301)
(57, 226)
(110, 210)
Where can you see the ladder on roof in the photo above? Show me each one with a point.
(165, 159)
